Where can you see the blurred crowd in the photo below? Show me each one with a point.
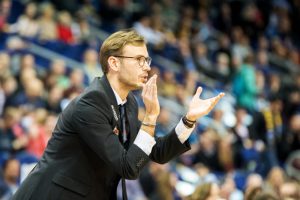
(247, 148)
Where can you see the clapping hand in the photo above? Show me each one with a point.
(200, 107)
(150, 99)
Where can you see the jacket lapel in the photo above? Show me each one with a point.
(131, 115)
(104, 85)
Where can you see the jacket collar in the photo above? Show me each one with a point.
(108, 89)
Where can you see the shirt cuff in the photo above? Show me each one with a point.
(144, 141)
(183, 133)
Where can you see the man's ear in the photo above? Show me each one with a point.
(113, 63)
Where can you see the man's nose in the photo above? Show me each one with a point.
(147, 67)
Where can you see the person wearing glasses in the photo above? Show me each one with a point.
(98, 139)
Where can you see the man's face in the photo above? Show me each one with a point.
(133, 75)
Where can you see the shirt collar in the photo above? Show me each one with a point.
(118, 98)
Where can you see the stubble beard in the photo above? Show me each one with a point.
(129, 85)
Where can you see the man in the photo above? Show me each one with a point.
(93, 146)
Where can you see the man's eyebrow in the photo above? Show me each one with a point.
(142, 56)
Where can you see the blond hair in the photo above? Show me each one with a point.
(115, 43)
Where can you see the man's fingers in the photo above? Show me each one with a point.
(219, 96)
(216, 99)
(150, 90)
(150, 87)
(151, 80)
(154, 86)
(198, 92)
(154, 77)
(222, 94)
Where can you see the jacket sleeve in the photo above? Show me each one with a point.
(92, 120)
(168, 147)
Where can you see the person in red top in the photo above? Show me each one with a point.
(64, 27)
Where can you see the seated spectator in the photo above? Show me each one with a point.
(31, 97)
(5, 7)
(158, 182)
(163, 123)
(55, 96)
(262, 63)
(12, 135)
(229, 190)
(204, 173)
(9, 87)
(258, 193)
(48, 29)
(5, 61)
(66, 28)
(143, 27)
(27, 25)
(56, 75)
(225, 153)
(208, 151)
(167, 86)
(206, 191)
(91, 64)
(26, 62)
(217, 123)
(275, 180)
(223, 67)
(290, 190)
(11, 174)
(244, 84)
(202, 60)
(166, 182)
(254, 185)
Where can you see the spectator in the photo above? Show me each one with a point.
(48, 27)
(275, 180)
(229, 190)
(13, 138)
(5, 70)
(65, 28)
(31, 97)
(290, 190)
(206, 191)
(55, 96)
(91, 64)
(27, 25)
(254, 185)
(37, 138)
(143, 27)
(56, 75)
(208, 151)
(9, 87)
(166, 182)
(244, 85)
(5, 7)
(167, 86)
(11, 171)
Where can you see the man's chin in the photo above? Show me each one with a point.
(140, 86)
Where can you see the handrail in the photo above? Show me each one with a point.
(46, 53)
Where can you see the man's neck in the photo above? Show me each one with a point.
(117, 87)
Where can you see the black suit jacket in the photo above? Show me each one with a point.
(84, 159)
